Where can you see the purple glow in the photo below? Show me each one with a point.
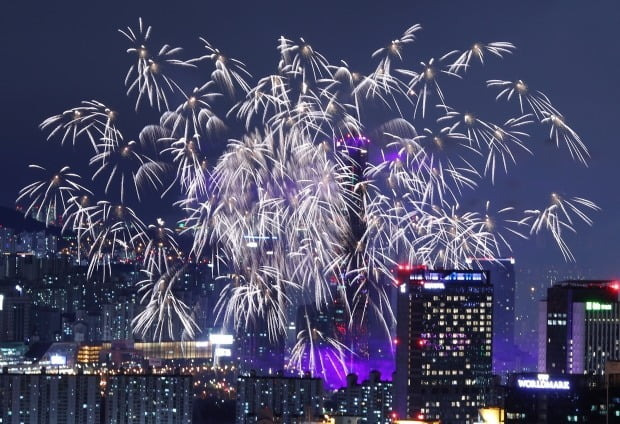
(363, 368)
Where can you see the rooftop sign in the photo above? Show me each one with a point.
(543, 382)
(595, 306)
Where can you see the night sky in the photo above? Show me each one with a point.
(55, 54)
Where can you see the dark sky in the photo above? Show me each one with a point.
(55, 54)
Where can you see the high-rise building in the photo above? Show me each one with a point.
(356, 335)
(7, 240)
(50, 399)
(116, 318)
(443, 344)
(148, 399)
(579, 327)
(371, 400)
(288, 399)
(15, 316)
(25, 242)
(532, 285)
(502, 277)
(46, 324)
(45, 244)
(258, 350)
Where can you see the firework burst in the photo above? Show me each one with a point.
(300, 209)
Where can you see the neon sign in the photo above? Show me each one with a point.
(220, 351)
(58, 360)
(543, 382)
(595, 306)
(434, 286)
(221, 339)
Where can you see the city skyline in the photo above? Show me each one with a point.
(252, 207)
(532, 28)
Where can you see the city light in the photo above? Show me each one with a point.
(221, 339)
(543, 382)
(596, 306)
(58, 360)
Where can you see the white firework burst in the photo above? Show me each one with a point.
(92, 120)
(49, 198)
(148, 76)
(164, 315)
(300, 205)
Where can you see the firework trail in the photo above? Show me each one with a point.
(300, 209)
(52, 196)
(164, 311)
(92, 120)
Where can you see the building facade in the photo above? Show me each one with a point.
(288, 399)
(148, 399)
(443, 344)
(371, 400)
(560, 398)
(579, 327)
(50, 399)
(502, 277)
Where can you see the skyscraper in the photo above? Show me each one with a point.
(353, 152)
(443, 344)
(502, 277)
(579, 327)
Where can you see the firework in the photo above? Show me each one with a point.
(300, 209)
(114, 230)
(148, 76)
(538, 102)
(318, 351)
(93, 120)
(477, 51)
(229, 74)
(560, 216)
(127, 167)
(50, 197)
(163, 311)
(158, 246)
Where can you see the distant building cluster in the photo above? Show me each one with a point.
(92, 399)
(37, 243)
(464, 350)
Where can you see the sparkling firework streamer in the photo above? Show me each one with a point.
(477, 51)
(164, 313)
(316, 350)
(77, 218)
(158, 246)
(498, 142)
(47, 199)
(300, 209)
(559, 216)
(127, 167)
(559, 131)
(114, 230)
(382, 82)
(229, 74)
(538, 102)
(148, 75)
(93, 120)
